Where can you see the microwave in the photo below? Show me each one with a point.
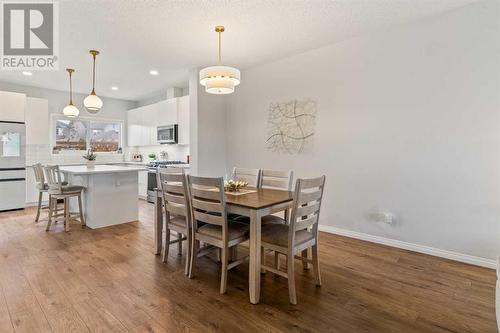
(167, 134)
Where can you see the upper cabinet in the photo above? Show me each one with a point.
(166, 112)
(142, 122)
(12, 106)
(138, 133)
(37, 121)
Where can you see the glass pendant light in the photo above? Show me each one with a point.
(219, 79)
(92, 102)
(70, 110)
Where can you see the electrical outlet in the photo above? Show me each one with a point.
(381, 217)
(387, 217)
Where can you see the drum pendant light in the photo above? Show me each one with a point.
(70, 110)
(92, 102)
(219, 79)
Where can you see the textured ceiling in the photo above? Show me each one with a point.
(173, 36)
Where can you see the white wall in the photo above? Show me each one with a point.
(207, 130)
(408, 122)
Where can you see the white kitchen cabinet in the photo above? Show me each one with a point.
(37, 133)
(12, 106)
(183, 120)
(142, 122)
(167, 112)
(138, 132)
(141, 126)
(133, 135)
(37, 121)
(143, 184)
(139, 135)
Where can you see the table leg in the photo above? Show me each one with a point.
(158, 224)
(254, 277)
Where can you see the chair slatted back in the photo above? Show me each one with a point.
(39, 176)
(306, 207)
(54, 179)
(208, 203)
(277, 180)
(251, 176)
(173, 185)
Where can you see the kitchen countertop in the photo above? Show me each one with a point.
(99, 169)
(143, 164)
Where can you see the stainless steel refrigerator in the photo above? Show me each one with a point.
(12, 165)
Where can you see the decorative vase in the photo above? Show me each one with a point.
(90, 164)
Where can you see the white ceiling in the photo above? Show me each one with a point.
(173, 36)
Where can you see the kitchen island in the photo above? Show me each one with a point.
(110, 195)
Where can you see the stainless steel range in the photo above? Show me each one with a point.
(152, 174)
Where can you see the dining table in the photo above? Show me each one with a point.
(253, 203)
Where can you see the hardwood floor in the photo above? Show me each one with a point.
(108, 280)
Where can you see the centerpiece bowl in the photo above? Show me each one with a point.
(234, 185)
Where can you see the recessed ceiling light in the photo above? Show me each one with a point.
(27, 73)
(115, 88)
(153, 72)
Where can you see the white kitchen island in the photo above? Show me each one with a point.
(110, 195)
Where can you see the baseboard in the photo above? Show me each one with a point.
(478, 261)
(33, 204)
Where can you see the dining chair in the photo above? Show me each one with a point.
(173, 185)
(57, 190)
(210, 224)
(251, 176)
(276, 180)
(497, 295)
(299, 235)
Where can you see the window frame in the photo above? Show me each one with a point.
(55, 117)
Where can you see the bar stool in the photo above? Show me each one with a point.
(57, 191)
(42, 188)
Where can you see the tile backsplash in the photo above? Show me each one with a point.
(41, 154)
(175, 152)
(36, 153)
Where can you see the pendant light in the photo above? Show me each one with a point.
(92, 102)
(70, 110)
(219, 79)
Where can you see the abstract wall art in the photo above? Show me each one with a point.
(291, 126)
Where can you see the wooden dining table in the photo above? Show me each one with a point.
(255, 204)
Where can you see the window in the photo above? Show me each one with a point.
(104, 136)
(82, 134)
(70, 135)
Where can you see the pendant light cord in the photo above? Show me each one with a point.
(220, 35)
(93, 75)
(70, 89)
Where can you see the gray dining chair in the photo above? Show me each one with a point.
(251, 176)
(173, 185)
(275, 180)
(298, 236)
(210, 224)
